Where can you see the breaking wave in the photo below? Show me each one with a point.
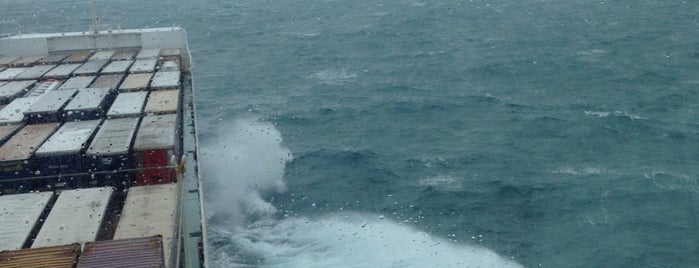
(247, 231)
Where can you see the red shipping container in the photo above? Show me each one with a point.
(156, 143)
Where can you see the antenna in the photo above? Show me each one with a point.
(94, 19)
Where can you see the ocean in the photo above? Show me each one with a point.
(454, 133)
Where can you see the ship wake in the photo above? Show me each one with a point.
(246, 231)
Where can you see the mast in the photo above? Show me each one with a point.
(94, 19)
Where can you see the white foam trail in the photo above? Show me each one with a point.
(247, 159)
(250, 159)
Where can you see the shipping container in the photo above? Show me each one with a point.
(63, 152)
(144, 66)
(54, 58)
(125, 54)
(170, 66)
(148, 211)
(78, 57)
(13, 90)
(54, 257)
(11, 73)
(88, 104)
(5, 61)
(124, 253)
(27, 61)
(35, 72)
(15, 153)
(163, 102)
(157, 141)
(128, 104)
(148, 53)
(13, 113)
(19, 214)
(49, 108)
(76, 217)
(110, 81)
(166, 80)
(103, 55)
(111, 150)
(78, 82)
(135, 82)
(171, 54)
(7, 131)
(90, 68)
(62, 71)
(117, 67)
(43, 87)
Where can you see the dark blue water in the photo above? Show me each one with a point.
(413, 134)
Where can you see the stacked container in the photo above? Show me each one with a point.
(166, 80)
(55, 257)
(49, 108)
(14, 89)
(156, 142)
(77, 82)
(16, 152)
(135, 252)
(136, 82)
(11, 73)
(88, 104)
(111, 150)
(19, 214)
(78, 57)
(63, 152)
(117, 67)
(75, 218)
(91, 67)
(111, 81)
(35, 72)
(144, 66)
(13, 113)
(163, 102)
(54, 58)
(62, 71)
(128, 104)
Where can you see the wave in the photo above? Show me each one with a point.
(248, 231)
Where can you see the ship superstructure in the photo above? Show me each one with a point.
(98, 150)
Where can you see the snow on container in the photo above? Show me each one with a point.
(111, 150)
(54, 58)
(110, 81)
(103, 55)
(117, 67)
(13, 90)
(148, 53)
(27, 61)
(15, 153)
(35, 72)
(43, 87)
(5, 61)
(128, 104)
(134, 252)
(88, 104)
(13, 113)
(166, 80)
(10, 73)
(136, 82)
(75, 218)
(90, 68)
(19, 214)
(163, 102)
(62, 71)
(55, 257)
(144, 66)
(156, 142)
(78, 57)
(49, 108)
(148, 211)
(63, 152)
(125, 54)
(78, 82)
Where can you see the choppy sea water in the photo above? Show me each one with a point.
(446, 134)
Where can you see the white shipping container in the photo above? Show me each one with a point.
(62, 71)
(144, 66)
(166, 80)
(75, 218)
(35, 72)
(128, 104)
(15, 89)
(148, 211)
(117, 67)
(77, 82)
(103, 55)
(70, 138)
(10, 73)
(156, 132)
(13, 113)
(170, 66)
(19, 213)
(90, 67)
(52, 101)
(114, 137)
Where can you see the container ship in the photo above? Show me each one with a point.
(98, 151)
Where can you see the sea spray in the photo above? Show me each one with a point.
(248, 160)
